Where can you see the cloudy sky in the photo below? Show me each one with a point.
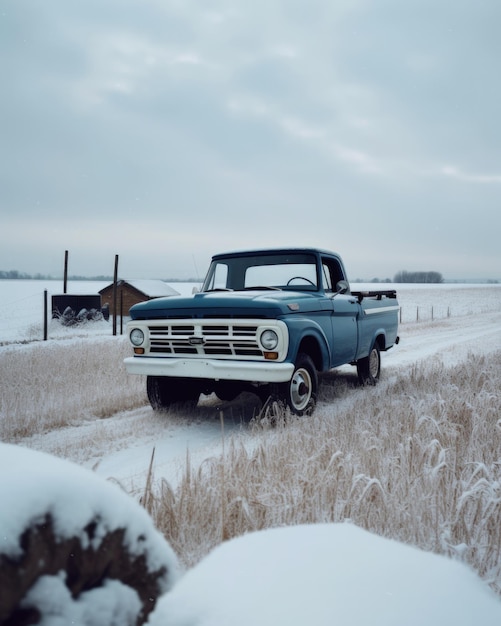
(168, 130)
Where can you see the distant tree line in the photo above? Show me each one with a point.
(400, 277)
(418, 277)
(16, 275)
(371, 280)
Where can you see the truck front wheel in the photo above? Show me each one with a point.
(300, 393)
(369, 368)
(164, 391)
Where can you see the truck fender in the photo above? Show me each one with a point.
(380, 337)
(308, 337)
(367, 343)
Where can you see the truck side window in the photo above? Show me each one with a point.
(331, 274)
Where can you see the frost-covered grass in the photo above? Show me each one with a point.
(49, 385)
(415, 459)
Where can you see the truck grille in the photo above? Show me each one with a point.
(220, 340)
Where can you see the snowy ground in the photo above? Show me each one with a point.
(329, 574)
(122, 445)
(318, 575)
(22, 306)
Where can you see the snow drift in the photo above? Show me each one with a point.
(76, 549)
(326, 575)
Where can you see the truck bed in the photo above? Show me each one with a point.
(377, 295)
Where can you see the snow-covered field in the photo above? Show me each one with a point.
(132, 436)
(22, 307)
(124, 442)
(315, 575)
(22, 303)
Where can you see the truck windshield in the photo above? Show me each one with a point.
(274, 271)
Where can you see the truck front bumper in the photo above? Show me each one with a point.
(212, 369)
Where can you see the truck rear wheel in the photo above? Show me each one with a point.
(369, 368)
(164, 391)
(300, 393)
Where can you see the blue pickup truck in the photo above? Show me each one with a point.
(266, 321)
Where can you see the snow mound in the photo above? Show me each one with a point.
(63, 527)
(328, 574)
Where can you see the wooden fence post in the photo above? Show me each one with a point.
(115, 303)
(45, 310)
(65, 280)
(121, 311)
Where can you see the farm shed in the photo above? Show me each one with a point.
(131, 292)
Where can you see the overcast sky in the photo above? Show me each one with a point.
(165, 131)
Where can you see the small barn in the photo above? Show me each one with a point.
(130, 292)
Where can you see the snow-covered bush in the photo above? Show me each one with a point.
(74, 549)
(69, 317)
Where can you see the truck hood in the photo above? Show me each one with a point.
(228, 304)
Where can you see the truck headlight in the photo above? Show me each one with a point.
(269, 339)
(136, 336)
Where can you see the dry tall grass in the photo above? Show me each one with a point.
(45, 386)
(417, 459)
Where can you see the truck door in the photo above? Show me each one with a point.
(345, 311)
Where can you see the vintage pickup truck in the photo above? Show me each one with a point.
(266, 321)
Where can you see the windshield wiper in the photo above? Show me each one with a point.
(217, 289)
(258, 287)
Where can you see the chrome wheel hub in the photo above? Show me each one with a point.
(374, 363)
(300, 389)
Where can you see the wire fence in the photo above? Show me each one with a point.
(411, 314)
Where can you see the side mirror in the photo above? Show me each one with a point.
(342, 287)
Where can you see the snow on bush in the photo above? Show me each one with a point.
(71, 542)
(112, 604)
(327, 574)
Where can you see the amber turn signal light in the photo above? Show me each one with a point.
(271, 356)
